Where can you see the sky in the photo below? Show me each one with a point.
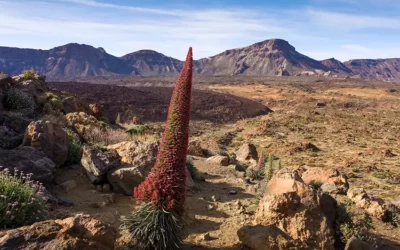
(321, 29)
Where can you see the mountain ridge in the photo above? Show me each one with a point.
(271, 57)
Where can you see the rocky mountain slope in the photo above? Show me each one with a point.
(150, 62)
(70, 60)
(336, 66)
(381, 69)
(270, 57)
(267, 58)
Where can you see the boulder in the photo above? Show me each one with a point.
(30, 161)
(136, 153)
(333, 182)
(17, 123)
(220, 160)
(73, 233)
(247, 152)
(97, 110)
(194, 148)
(266, 238)
(305, 214)
(82, 123)
(9, 138)
(373, 207)
(96, 163)
(356, 244)
(35, 87)
(49, 138)
(124, 179)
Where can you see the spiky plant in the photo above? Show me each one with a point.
(157, 224)
(257, 174)
(279, 164)
(270, 170)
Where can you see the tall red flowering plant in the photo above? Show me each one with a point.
(156, 225)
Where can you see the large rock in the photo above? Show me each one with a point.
(74, 233)
(332, 180)
(30, 161)
(35, 87)
(96, 163)
(82, 123)
(124, 179)
(247, 152)
(136, 153)
(305, 214)
(49, 138)
(356, 244)
(266, 238)
(374, 207)
(220, 160)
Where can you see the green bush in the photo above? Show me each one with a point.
(21, 200)
(18, 100)
(255, 174)
(349, 224)
(29, 74)
(191, 169)
(74, 149)
(393, 216)
(51, 103)
(316, 184)
(136, 130)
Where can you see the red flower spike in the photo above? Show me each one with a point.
(261, 162)
(165, 186)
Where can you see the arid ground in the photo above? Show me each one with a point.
(354, 124)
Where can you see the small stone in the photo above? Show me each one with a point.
(65, 202)
(108, 199)
(68, 185)
(232, 192)
(107, 187)
(99, 188)
(210, 207)
(206, 237)
(214, 198)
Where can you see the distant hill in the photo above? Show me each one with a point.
(267, 58)
(150, 62)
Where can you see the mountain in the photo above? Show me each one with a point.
(380, 69)
(336, 66)
(270, 57)
(150, 62)
(267, 58)
(70, 60)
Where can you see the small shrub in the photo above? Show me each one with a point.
(29, 74)
(393, 216)
(316, 184)
(349, 224)
(255, 174)
(192, 170)
(136, 130)
(18, 100)
(154, 228)
(106, 136)
(21, 200)
(118, 119)
(74, 149)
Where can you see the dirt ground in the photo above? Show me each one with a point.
(355, 124)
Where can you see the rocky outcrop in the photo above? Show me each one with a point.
(374, 207)
(82, 123)
(266, 238)
(219, 159)
(29, 161)
(136, 153)
(49, 138)
(97, 163)
(73, 233)
(332, 181)
(247, 152)
(97, 110)
(124, 179)
(72, 104)
(306, 215)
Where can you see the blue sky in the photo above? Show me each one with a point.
(344, 29)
